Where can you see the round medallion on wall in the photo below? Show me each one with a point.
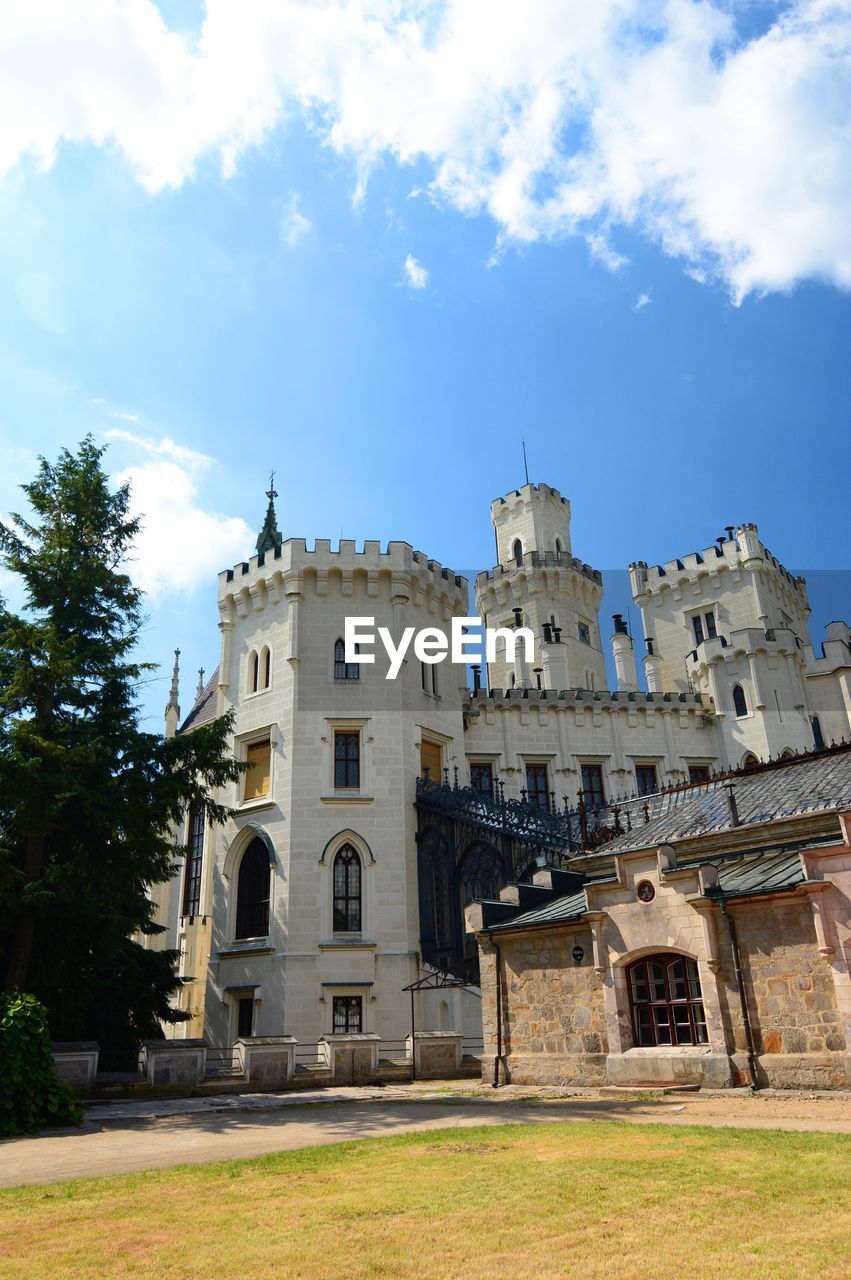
(578, 953)
(644, 891)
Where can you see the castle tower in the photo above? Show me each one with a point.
(557, 595)
(730, 623)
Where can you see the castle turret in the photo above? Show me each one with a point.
(172, 710)
(624, 656)
(538, 574)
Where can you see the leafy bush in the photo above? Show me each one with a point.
(30, 1095)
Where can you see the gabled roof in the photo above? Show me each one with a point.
(204, 709)
(817, 783)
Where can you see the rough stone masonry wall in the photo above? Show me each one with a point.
(554, 1023)
(797, 1030)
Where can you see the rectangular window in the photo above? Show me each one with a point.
(194, 862)
(584, 633)
(645, 778)
(711, 632)
(245, 1018)
(348, 1015)
(537, 791)
(430, 761)
(434, 679)
(698, 773)
(592, 786)
(481, 779)
(697, 623)
(347, 760)
(257, 779)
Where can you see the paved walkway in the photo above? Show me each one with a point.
(132, 1136)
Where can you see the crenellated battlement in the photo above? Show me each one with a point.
(295, 554)
(535, 560)
(742, 549)
(602, 699)
(530, 491)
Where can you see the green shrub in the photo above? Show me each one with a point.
(31, 1097)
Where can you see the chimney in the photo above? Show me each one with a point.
(624, 656)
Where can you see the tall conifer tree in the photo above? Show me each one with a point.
(88, 800)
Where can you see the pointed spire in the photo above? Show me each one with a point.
(200, 688)
(269, 538)
(172, 710)
(172, 696)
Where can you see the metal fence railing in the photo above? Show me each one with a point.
(309, 1055)
(394, 1051)
(223, 1061)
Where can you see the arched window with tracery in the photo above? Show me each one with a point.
(344, 670)
(518, 552)
(194, 862)
(252, 892)
(347, 891)
(665, 1001)
(740, 704)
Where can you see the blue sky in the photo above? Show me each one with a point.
(380, 293)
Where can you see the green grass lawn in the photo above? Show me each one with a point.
(591, 1201)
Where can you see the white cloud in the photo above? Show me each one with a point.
(555, 117)
(181, 543)
(294, 224)
(415, 273)
(643, 300)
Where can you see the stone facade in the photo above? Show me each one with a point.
(565, 999)
(553, 1011)
(280, 616)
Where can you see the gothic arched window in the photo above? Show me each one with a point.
(347, 891)
(267, 667)
(558, 548)
(252, 892)
(740, 705)
(518, 552)
(254, 681)
(194, 862)
(344, 670)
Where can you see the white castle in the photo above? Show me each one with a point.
(340, 881)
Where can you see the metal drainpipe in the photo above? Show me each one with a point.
(498, 1057)
(737, 964)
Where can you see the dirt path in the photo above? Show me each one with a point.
(126, 1138)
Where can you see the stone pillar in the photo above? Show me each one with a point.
(436, 1054)
(267, 1061)
(173, 1064)
(76, 1063)
(351, 1058)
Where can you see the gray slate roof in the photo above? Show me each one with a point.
(782, 790)
(205, 706)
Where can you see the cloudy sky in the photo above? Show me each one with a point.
(375, 245)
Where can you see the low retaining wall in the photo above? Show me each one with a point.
(76, 1063)
(173, 1064)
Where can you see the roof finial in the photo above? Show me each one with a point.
(269, 538)
(200, 688)
(172, 694)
